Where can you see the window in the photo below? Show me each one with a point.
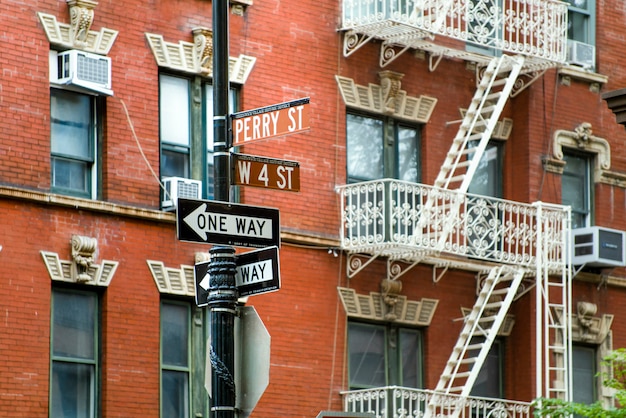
(576, 187)
(581, 21)
(186, 128)
(487, 180)
(74, 354)
(175, 126)
(383, 355)
(380, 148)
(175, 359)
(489, 381)
(584, 374)
(73, 138)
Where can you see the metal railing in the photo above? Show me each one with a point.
(401, 402)
(397, 219)
(536, 28)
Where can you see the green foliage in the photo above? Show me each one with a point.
(555, 408)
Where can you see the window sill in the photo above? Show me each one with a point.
(595, 80)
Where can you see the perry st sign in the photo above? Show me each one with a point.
(270, 121)
(227, 223)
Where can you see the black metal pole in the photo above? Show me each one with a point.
(222, 300)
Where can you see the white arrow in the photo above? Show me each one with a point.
(192, 221)
(205, 283)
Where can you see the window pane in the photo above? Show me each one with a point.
(174, 164)
(486, 180)
(583, 360)
(175, 395)
(71, 175)
(575, 188)
(174, 110)
(74, 325)
(488, 383)
(411, 360)
(72, 390)
(366, 350)
(71, 124)
(174, 334)
(365, 148)
(408, 151)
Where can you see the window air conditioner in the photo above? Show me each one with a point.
(176, 187)
(598, 247)
(581, 54)
(84, 70)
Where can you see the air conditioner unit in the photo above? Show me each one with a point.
(176, 187)
(581, 54)
(598, 247)
(84, 70)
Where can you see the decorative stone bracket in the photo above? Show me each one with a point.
(82, 268)
(77, 34)
(387, 98)
(582, 138)
(196, 57)
(174, 281)
(377, 306)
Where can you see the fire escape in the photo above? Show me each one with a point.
(511, 246)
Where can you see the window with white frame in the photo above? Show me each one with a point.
(576, 187)
(73, 142)
(379, 147)
(74, 375)
(175, 359)
(581, 21)
(382, 355)
(186, 128)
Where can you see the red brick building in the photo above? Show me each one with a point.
(453, 148)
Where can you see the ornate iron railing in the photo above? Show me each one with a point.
(400, 402)
(403, 220)
(535, 28)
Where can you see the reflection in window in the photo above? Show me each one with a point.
(74, 354)
(576, 188)
(175, 370)
(72, 134)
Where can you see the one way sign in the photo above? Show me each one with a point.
(227, 223)
(256, 272)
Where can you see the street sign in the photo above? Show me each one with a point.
(252, 360)
(227, 223)
(264, 172)
(201, 278)
(270, 121)
(257, 271)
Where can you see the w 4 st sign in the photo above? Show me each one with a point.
(268, 173)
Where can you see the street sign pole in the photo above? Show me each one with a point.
(222, 299)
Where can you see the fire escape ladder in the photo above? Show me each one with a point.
(479, 122)
(479, 332)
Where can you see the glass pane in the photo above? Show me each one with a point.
(366, 351)
(174, 164)
(208, 93)
(72, 390)
(486, 180)
(583, 360)
(580, 4)
(411, 360)
(174, 334)
(365, 148)
(488, 383)
(575, 188)
(408, 154)
(577, 24)
(74, 325)
(174, 110)
(175, 394)
(71, 124)
(71, 175)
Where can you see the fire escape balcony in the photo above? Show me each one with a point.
(473, 30)
(411, 223)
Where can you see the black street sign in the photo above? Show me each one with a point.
(257, 271)
(227, 223)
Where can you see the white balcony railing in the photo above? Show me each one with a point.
(400, 220)
(535, 28)
(399, 402)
